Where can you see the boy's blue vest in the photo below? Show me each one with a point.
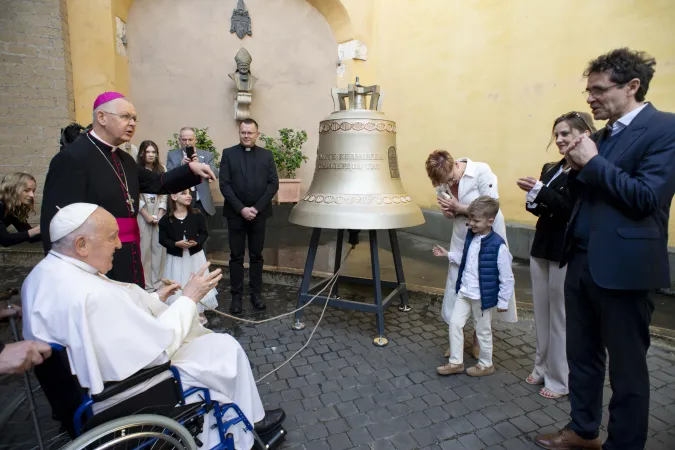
(488, 270)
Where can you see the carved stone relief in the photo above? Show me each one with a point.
(240, 21)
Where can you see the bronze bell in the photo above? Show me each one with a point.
(357, 184)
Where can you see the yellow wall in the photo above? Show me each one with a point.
(362, 17)
(485, 79)
(336, 15)
(97, 67)
(120, 8)
(480, 78)
(92, 47)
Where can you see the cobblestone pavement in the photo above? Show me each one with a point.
(342, 392)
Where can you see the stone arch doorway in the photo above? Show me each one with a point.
(337, 16)
(180, 58)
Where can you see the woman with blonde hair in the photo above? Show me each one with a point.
(151, 209)
(17, 202)
(458, 183)
(549, 199)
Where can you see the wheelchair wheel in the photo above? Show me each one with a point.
(142, 431)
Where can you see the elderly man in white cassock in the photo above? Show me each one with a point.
(112, 330)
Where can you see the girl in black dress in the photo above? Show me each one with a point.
(17, 202)
(182, 231)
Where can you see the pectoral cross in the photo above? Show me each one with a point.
(130, 202)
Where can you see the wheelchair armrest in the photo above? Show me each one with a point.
(113, 388)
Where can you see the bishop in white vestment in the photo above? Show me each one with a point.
(112, 329)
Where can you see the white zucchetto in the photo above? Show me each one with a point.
(69, 218)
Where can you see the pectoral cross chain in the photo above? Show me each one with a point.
(125, 183)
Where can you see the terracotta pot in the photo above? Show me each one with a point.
(289, 190)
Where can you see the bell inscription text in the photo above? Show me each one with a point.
(348, 161)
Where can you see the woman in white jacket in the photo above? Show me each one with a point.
(458, 183)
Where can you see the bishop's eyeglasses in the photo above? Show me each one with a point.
(125, 117)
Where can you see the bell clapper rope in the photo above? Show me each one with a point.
(332, 280)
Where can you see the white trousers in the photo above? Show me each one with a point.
(482, 321)
(217, 361)
(548, 299)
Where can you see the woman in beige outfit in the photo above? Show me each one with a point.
(549, 199)
(152, 207)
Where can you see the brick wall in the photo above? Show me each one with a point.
(36, 92)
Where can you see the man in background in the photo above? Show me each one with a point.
(201, 194)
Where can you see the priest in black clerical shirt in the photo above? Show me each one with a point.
(248, 181)
(93, 170)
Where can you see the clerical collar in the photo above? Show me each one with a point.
(247, 149)
(76, 262)
(98, 138)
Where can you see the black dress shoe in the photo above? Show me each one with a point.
(257, 302)
(235, 305)
(567, 439)
(273, 418)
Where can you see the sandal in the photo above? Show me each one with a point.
(534, 381)
(446, 354)
(547, 393)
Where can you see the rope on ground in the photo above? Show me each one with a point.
(331, 281)
(332, 284)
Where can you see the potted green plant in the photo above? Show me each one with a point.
(288, 157)
(204, 142)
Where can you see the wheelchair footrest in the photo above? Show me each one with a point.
(272, 439)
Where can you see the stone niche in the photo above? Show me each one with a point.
(179, 71)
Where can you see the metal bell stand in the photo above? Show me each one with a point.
(399, 287)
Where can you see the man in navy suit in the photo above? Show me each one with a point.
(616, 247)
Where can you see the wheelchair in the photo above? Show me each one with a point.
(154, 417)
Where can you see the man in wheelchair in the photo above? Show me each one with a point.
(113, 330)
